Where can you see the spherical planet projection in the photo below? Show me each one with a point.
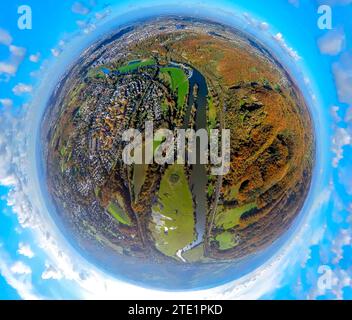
(175, 225)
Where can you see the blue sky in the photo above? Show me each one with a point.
(37, 262)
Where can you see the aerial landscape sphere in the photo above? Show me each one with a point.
(176, 225)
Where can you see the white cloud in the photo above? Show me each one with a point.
(264, 26)
(5, 37)
(342, 71)
(8, 68)
(6, 102)
(345, 178)
(51, 272)
(79, 8)
(25, 250)
(349, 210)
(103, 14)
(290, 51)
(22, 284)
(22, 88)
(20, 268)
(348, 115)
(7, 173)
(332, 42)
(89, 28)
(81, 23)
(342, 280)
(250, 20)
(55, 52)
(343, 239)
(17, 51)
(340, 139)
(294, 2)
(334, 113)
(34, 57)
(278, 37)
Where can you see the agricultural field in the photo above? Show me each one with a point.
(172, 224)
(134, 65)
(117, 212)
(178, 81)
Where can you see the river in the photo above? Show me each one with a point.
(198, 176)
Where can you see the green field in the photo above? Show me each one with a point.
(173, 218)
(65, 156)
(117, 212)
(211, 112)
(178, 82)
(226, 240)
(232, 193)
(211, 189)
(95, 73)
(195, 254)
(156, 144)
(229, 218)
(139, 175)
(140, 171)
(164, 106)
(135, 65)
